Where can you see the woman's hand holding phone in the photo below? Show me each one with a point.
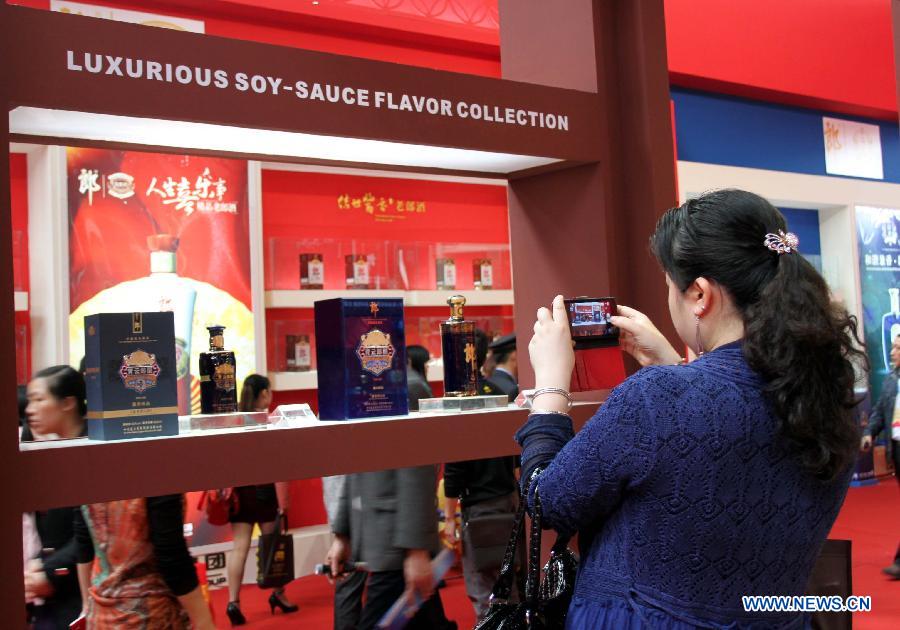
(551, 352)
(641, 339)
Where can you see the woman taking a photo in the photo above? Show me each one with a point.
(256, 504)
(696, 484)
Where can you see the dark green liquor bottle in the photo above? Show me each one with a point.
(458, 345)
(218, 390)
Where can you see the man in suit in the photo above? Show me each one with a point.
(387, 519)
(505, 376)
(886, 415)
(486, 489)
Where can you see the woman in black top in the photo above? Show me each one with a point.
(134, 567)
(256, 504)
(55, 409)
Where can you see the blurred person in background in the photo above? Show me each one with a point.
(55, 408)
(256, 505)
(416, 375)
(134, 567)
(486, 489)
(505, 375)
(886, 415)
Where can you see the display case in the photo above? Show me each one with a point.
(291, 342)
(66, 105)
(355, 264)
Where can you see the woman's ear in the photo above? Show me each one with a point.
(702, 296)
(68, 403)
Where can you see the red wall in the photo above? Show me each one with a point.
(832, 54)
(18, 192)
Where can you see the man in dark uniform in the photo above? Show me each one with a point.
(487, 489)
(886, 415)
(505, 376)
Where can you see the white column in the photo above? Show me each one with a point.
(48, 256)
(257, 278)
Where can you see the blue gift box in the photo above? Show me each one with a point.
(361, 356)
(131, 375)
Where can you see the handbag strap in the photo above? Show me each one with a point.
(503, 586)
(532, 581)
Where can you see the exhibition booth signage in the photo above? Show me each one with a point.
(80, 64)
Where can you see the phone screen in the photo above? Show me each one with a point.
(590, 321)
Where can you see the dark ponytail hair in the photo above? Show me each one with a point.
(64, 381)
(801, 343)
(254, 385)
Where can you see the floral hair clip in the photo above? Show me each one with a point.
(782, 243)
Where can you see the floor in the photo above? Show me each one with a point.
(870, 518)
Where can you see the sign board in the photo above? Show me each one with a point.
(852, 148)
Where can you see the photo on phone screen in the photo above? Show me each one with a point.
(590, 321)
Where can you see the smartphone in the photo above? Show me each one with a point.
(590, 321)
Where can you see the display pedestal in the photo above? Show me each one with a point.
(463, 403)
(208, 421)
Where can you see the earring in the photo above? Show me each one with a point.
(699, 341)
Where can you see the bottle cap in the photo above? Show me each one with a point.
(216, 337)
(456, 303)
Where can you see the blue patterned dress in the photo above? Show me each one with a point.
(684, 498)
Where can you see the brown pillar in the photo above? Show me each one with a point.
(10, 516)
(584, 231)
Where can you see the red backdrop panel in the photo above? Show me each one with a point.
(18, 192)
(834, 54)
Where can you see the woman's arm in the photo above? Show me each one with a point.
(585, 477)
(197, 609)
(165, 516)
(84, 556)
(84, 582)
(283, 494)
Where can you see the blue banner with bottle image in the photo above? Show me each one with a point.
(878, 235)
(878, 232)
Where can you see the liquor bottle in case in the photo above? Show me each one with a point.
(446, 274)
(358, 270)
(890, 327)
(458, 345)
(218, 386)
(483, 273)
(312, 271)
(299, 353)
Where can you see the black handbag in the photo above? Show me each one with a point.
(275, 560)
(546, 600)
(486, 538)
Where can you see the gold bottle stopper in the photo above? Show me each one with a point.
(456, 303)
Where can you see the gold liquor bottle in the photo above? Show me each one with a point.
(458, 345)
(218, 385)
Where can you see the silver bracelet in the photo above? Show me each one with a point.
(553, 390)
